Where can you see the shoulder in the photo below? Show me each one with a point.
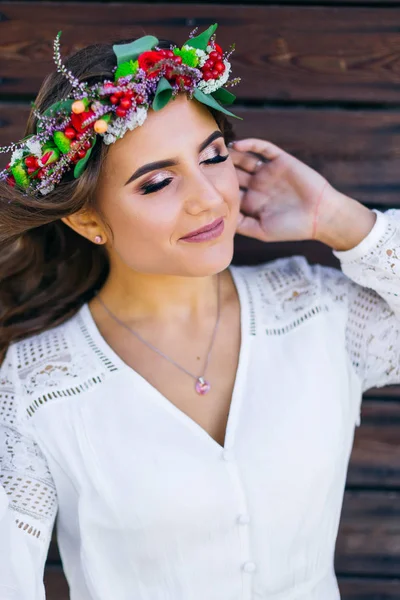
(58, 363)
(289, 290)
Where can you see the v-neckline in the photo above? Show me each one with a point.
(163, 401)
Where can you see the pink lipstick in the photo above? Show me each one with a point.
(209, 232)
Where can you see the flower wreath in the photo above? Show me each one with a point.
(145, 76)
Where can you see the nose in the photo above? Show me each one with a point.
(201, 194)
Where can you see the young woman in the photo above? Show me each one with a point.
(190, 422)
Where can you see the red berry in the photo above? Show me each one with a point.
(215, 73)
(219, 66)
(41, 173)
(11, 180)
(163, 53)
(207, 75)
(214, 55)
(8, 166)
(87, 145)
(31, 161)
(187, 79)
(139, 99)
(208, 64)
(70, 133)
(108, 85)
(31, 170)
(218, 49)
(121, 112)
(178, 59)
(81, 153)
(129, 93)
(170, 54)
(113, 99)
(125, 103)
(119, 94)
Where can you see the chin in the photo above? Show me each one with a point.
(211, 260)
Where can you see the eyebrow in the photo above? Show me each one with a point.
(161, 164)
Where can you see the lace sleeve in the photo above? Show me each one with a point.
(369, 285)
(28, 502)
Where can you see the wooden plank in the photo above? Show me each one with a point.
(358, 151)
(375, 460)
(352, 588)
(357, 588)
(369, 536)
(353, 56)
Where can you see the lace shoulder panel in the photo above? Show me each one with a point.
(59, 363)
(287, 292)
(292, 291)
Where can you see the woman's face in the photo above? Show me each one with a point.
(162, 181)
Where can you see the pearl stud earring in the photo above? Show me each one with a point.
(98, 239)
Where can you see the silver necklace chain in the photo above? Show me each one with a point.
(202, 386)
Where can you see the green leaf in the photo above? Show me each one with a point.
(201, 41)
(210, 101)
(131, 51)
(224, 96)
(163, 94)
(65, 105)
(80, 165)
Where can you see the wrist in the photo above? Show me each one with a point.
(343, 222)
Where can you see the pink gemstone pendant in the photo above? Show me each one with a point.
(202, 386)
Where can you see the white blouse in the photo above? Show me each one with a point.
(150, 507)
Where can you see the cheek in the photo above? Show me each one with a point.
(146, 219)
(228, 185)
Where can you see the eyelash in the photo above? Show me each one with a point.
(150, 188)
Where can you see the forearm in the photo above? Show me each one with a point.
(342, 221)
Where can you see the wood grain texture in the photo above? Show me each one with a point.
(353, 55)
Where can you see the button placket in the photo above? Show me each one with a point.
(242, 521)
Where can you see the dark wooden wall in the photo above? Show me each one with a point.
(322, 80)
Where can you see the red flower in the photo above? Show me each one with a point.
(77, 120)
(147, 60)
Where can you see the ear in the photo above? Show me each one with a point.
(86, 223)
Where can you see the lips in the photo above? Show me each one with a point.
(208, 227)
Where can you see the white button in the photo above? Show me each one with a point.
(243, 519)
(249, 567)
(227, 455)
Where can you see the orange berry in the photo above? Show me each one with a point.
(78, 107)
(100, 126)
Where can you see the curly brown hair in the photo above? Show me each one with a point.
(47, 270)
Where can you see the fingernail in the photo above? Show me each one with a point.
(230, 145)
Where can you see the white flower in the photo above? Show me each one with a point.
(47, 189)
(120, 126)
(34, 147)
(16, 155)
(210, 86)
(109, 138)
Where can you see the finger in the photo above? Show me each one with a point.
(262, 147)
(243, 178)
(243, 160)
(249, 227)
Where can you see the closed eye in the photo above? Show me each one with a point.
(150, 188)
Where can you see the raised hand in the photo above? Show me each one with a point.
(281, 197)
